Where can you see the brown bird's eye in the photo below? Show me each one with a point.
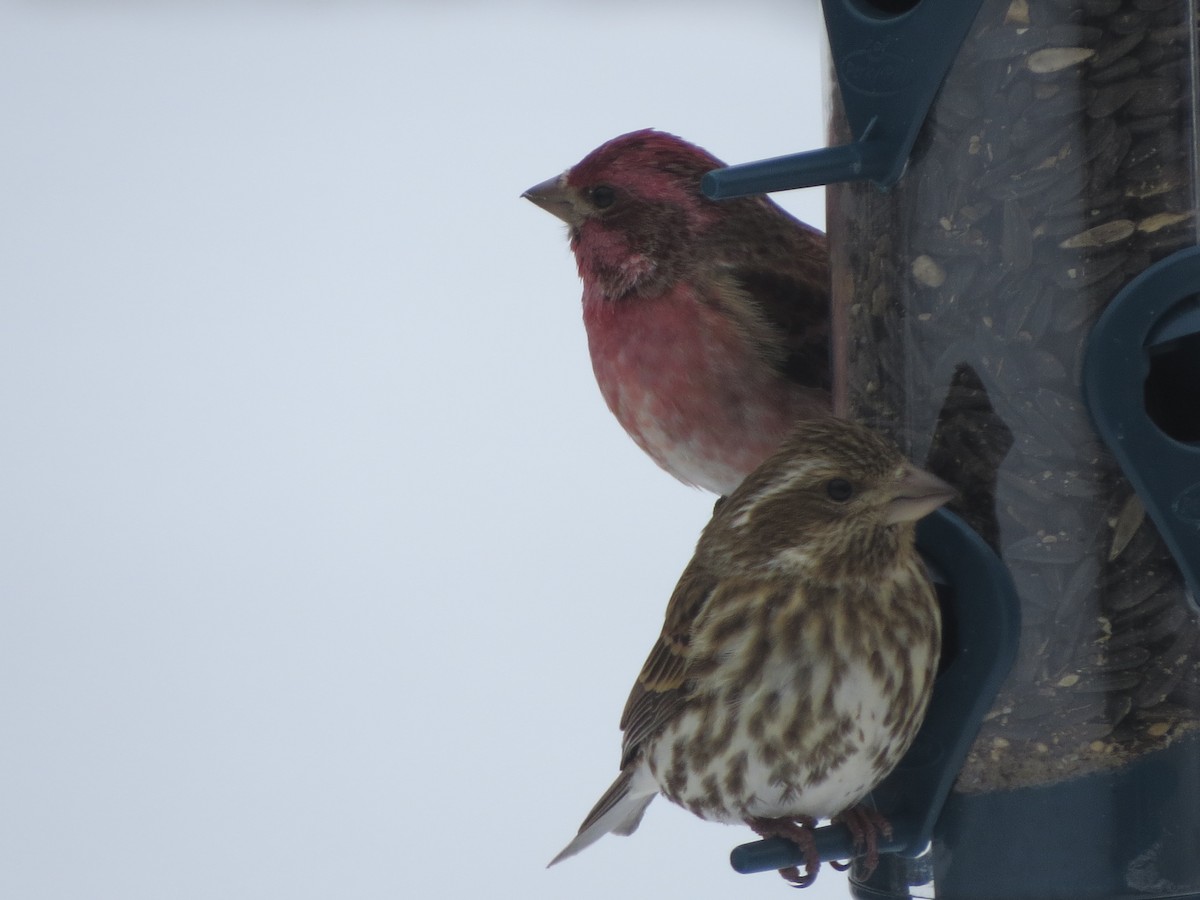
(839, 490)
(603, 196)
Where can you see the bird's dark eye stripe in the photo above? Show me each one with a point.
(839, 490)
(603, 196)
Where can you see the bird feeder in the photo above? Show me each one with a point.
(1013, 230)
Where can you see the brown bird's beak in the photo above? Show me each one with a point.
(916, 495)
(556, 198)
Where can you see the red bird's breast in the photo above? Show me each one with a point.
(688, 386)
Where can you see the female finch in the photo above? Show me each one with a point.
(708, 323)
(798, 652)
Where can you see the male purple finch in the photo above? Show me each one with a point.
(707, 322)
(798, 653)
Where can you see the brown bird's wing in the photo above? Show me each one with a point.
(661, 689)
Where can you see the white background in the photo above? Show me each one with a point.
(325, 571)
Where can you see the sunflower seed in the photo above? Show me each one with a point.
(1055, 59)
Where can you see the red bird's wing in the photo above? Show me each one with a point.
(781, 267)
(798, 312)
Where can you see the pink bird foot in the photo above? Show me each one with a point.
(800, 832)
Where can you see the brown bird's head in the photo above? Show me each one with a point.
(836, 501)
(634, 209)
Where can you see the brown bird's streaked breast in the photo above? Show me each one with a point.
(801, 697)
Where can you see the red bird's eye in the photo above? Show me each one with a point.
(839, 490)
(603, 196)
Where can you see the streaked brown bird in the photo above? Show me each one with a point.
(707, 322)
(798, 652)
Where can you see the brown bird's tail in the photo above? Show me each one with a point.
(619, 810)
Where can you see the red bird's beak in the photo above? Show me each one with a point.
(917, 493)
(556, 198)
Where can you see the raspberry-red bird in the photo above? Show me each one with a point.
(707, 322)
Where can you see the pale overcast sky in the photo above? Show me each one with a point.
(326, 571)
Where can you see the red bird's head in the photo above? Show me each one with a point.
(634, 209)
(707, 322)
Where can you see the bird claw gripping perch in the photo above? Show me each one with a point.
(891, 58)
(981, 603)
(798, 834)
(867, 825)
